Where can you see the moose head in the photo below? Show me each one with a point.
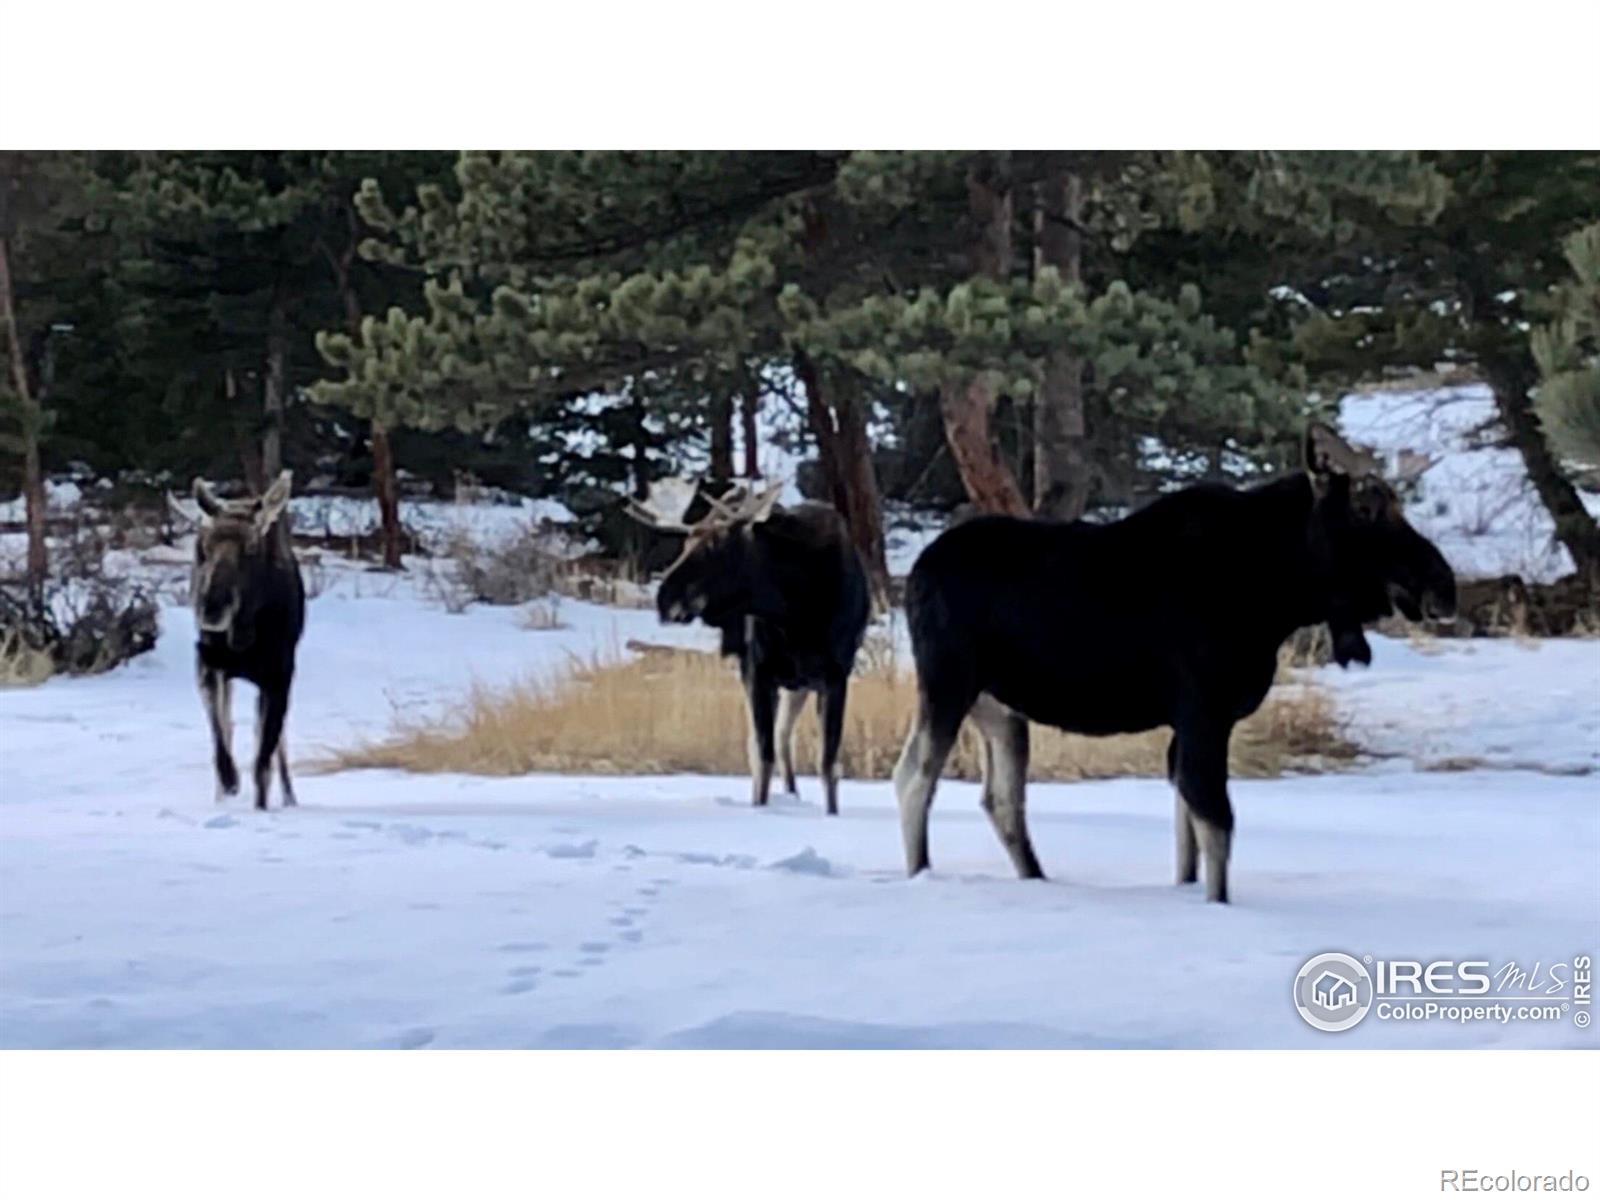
(234, 551)
(716, 576)
(1375, 561)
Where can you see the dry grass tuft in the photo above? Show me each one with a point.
(670, 710)
(22, 665)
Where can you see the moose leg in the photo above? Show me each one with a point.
(216, 692)
(283, 773)
(762, 695)
(833, 699)
(272, 705)
(917, 774)
(1202, 770)
(1005, 741)
(1182, 822)
(790, 705)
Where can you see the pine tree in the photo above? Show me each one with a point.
(866, 276)
(42, 244)
(554, 276)
(1567, 349)
(228, 254)
(245, 256)
(363, 284)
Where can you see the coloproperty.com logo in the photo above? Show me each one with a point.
(1336, 991)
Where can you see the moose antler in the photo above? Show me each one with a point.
(1410, 466)
(720, 506)
(646, 515)
(761, 506)
(747, 507)
(750, 506)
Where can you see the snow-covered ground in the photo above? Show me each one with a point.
(394, 910)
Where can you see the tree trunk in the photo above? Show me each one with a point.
(1060, 453)
(244, 434)
(749, 402)
(1575, 528)
(275, 389)
(385, 488)
(863, 510)
(639, 468)
(984, 473)
(968, 404)
(32, 422)
(822, 428)
(838, 420)
(388, 494)
(722, 436)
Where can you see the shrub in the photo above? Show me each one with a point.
(471, 571)
(83, 621)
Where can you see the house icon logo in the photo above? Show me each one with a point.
(1333, 991)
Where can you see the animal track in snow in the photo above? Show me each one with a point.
(573, 849)
(412, 1039)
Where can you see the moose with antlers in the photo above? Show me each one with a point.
(249, 609)
(788, 591)
(1170, 616)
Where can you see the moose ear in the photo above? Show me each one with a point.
(1328, 454)
(180, 515)
(768, 501)
(204, 497)
(272, 503)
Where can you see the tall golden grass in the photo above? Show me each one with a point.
(669, 711)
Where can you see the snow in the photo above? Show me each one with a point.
(907, 532)
(1507, 704)
(60, 495)
(435, 520)
(452, 911)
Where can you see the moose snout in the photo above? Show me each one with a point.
(1439, 596)
(1425, 587)
(680, 606)
(215, 619)
(673, 610)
